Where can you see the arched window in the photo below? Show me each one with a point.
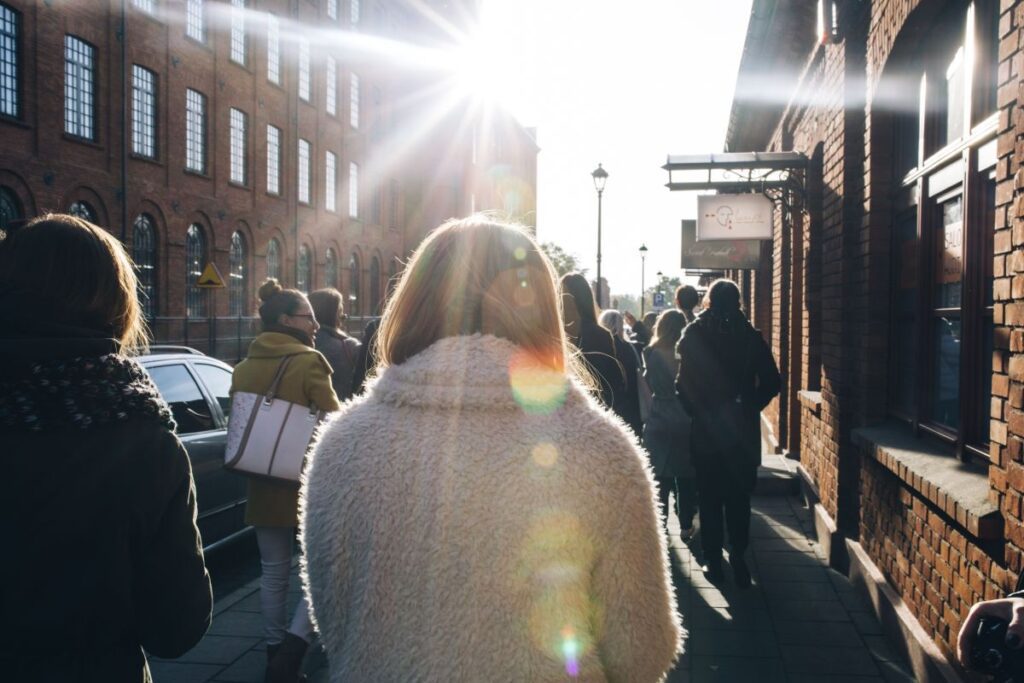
(392, 275)
(305, 275)
(944, 207)
(195, 261)
(10, 208)
(355, 306)
(238, 277)
(375, 286)
(274, 259)
(144, 254)
(83, 210)
(331, 268)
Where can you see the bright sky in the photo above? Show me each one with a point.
(623, 84)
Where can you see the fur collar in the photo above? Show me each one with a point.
(474, 372)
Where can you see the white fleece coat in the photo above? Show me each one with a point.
(473, 519)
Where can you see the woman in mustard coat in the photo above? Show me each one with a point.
(289, 328)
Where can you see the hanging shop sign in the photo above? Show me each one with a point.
(717, 254)
(734, 217)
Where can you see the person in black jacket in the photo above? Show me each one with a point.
(592, 340)
(727, 375)
(365, 360)
(627, 403)
(97, 505)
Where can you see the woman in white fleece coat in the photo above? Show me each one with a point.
(476, 516)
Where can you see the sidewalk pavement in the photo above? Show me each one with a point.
(800, 623)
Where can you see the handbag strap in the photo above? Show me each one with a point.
(272, 391)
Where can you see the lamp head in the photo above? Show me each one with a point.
(600, 178)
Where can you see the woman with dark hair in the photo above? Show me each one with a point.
(727, 375)
(340, 350)
(98, 507)
(667, 430)
(593, 341)
(627, 403)
(289, 329)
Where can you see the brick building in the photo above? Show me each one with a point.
(272, 137)
(893, 292)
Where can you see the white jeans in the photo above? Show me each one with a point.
(275, 544)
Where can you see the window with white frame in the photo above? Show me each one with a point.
(304, 171)
(353, 12)
(195, 20)
(195, 131)
(330, 181)
(144, 258)
(239, 131)
(143, 112)
(304, 69)
(238, 275)
(274, 259)
(79, 88)
(9, 91)
(353, 190)
(238, 46)
(145, 5)
(332, 9)
(273, 49)
(353, 99)
(331, 91)
(273, 159)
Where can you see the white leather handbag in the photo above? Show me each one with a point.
(268, 436)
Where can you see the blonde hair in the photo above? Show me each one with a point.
(668, 329)
(476, 275)
(82, 273)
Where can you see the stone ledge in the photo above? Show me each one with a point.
(959, 489)
(810, 400)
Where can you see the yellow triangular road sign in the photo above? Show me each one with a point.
(211, 277)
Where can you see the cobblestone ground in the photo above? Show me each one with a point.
(800, 622)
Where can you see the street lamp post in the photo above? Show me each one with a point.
(600, 177)
(643, 279)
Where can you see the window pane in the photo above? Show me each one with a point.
(238, 52)
(79, 79)
(195, 131)
(955, 92)
(330, 268)
(238, 275)
(354, 12)
(304, 171)
(8, 61)
(304, 69)
(187, 403)
(354, 275)
(305, 269)
(10, 208)
(218, 383)
(948, 267)
(144, 256)
(945, 343)
(195, 21)
(273, 49)
(354, 101)
(143, 112)
(195, 261)
(274, 260)
(902, 365)
(273, 160)
(353, 190)
(332, 86)
(332, 9)
(83, 210)
(239, 138)
(330, 182)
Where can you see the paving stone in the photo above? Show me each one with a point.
(822, 659)
(214, 649)
(729, 618)
(835, 633)
(729, 596)
(166, 671)
(705, 669)
(896, 672)
(232, 623)
(249, 604)
(866, 623)
(733, 644)
(807, 610)
(792, 558)
(800, 591)
(780, 573)
(765, 545)
(834, 678)
(248, 669)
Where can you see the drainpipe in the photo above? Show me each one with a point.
(124, 120)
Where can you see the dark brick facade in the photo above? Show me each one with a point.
(47, 170)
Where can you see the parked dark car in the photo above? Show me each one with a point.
(196, 387)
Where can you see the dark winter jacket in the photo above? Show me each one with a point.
(342, 352)
(97, 514)
(364, 359)
(598, 349)
(727, 375)
(627, 403)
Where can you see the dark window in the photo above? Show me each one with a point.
(188, 405)
(375, 286)
(79, 88)
(330, 268)
(218, 383)
(195, 261)
(305, 274)
(195, 131)
(143, 112)
(10, 208)
(354, 276)
(83, 210)
(238, 258)
(9, 90)
(274, 259)
(144, 254)
(941, 334)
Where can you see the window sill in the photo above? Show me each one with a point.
(197, 174)
(959, 489)
(148, 160)
(15, 121)
(810, 400)
(237, 185)
(82, 141)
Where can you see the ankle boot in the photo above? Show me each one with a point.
(284, 663)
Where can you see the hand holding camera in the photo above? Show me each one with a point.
(991, 639)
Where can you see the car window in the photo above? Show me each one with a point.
(218, 382)
(188, 405)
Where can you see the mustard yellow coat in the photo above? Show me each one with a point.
(306, 381)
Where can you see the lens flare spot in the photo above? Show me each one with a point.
(545, 455)
(520, 253)
(537, 387)
(571, 651)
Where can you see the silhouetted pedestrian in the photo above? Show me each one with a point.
(340, 350)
